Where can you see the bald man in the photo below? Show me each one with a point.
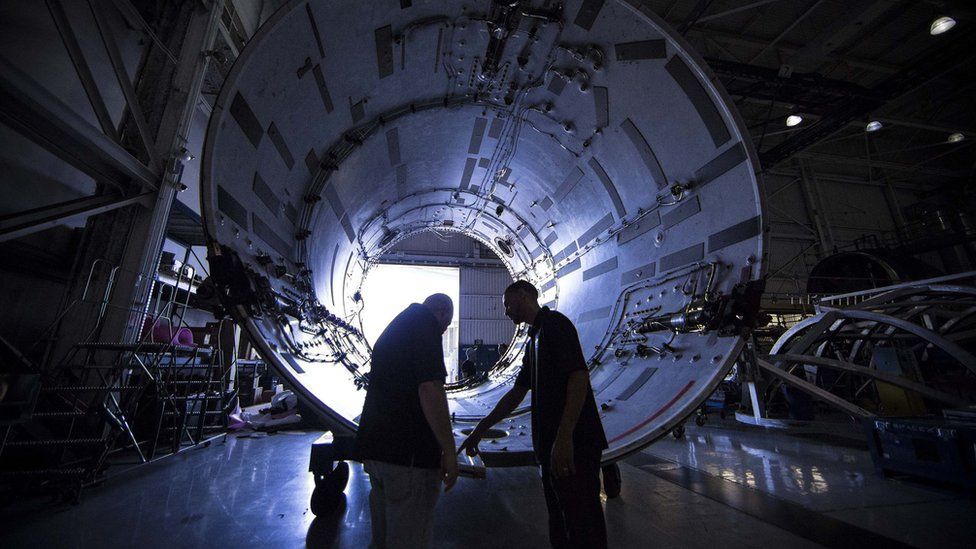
(404, 438)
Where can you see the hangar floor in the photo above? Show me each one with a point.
(722, 485)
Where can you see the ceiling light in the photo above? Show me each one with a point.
(873, 126)
(941, 25)
(793, 120)
(956, 137)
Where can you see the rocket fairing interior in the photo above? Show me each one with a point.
(583, 141)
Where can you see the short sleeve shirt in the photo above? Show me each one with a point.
(551, 354)
(393, 427)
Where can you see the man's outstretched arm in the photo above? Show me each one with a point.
(505, 405)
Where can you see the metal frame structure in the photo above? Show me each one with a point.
(933, 322)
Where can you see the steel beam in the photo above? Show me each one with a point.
(29, 108)
(132, 102)
(877, 375)
(813, 390)
(77, 55)
(927, 67)
(38, 219)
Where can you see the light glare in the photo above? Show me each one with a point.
(956, 137)
(873, 126)
(793, 120)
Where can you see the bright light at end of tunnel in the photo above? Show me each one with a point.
(873, 126)
(793, 120)
(956, 137)
(389, 289)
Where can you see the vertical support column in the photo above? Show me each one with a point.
(815, 208)
(133, 240)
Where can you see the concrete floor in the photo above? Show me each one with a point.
(722, 484)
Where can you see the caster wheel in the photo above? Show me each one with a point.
(678, 432)
(325, 502)
(699, 420)
(611, 480)
(327, 496)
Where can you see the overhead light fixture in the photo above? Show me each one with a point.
(956, 137)
(873, 126)
(941, 25)
(793, 120)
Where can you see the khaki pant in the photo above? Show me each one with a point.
(401, 504)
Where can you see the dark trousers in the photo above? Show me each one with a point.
(575, 511)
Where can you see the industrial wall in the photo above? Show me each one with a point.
(482, 313)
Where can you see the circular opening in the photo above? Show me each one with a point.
(465, 269)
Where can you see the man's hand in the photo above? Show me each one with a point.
(449, 470)
(561, 462)
(470, 444)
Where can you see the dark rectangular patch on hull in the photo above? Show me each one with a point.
(546, 203)
(595, 314)
(495, 130)
(547, 286)
(568, 268)
(595, 230)
(281, 146)
(401, 181)
(393, 146)
(477, 134)
(683, 257)
(264, 192)
(609, 186)
(556, 85)
(551, 238)
(600, 269)
(637, 384)
(246, 119)
(231, 207)
(645, 49)
(645, 152)
(312, 162)
(601, 106)
(734, 234)
(685, 210)
(706, 108)
(570, 182)
(469, 165)
(357, 110)
(640, 273)
(315, 29)
(384, 50)
(267, 234)
(323, 88)
(638, 228)
(291, 212)
(564, 253)
(339, 210)
(722, 163)
(335, 255)
(347, 227)
(588, 13)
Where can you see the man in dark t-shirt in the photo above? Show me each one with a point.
(567, 433)
(404, 438)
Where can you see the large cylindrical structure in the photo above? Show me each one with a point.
(583, 141)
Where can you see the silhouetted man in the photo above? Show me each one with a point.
(404, 437)
(567, 434)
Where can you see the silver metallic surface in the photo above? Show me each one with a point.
(594, 145)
